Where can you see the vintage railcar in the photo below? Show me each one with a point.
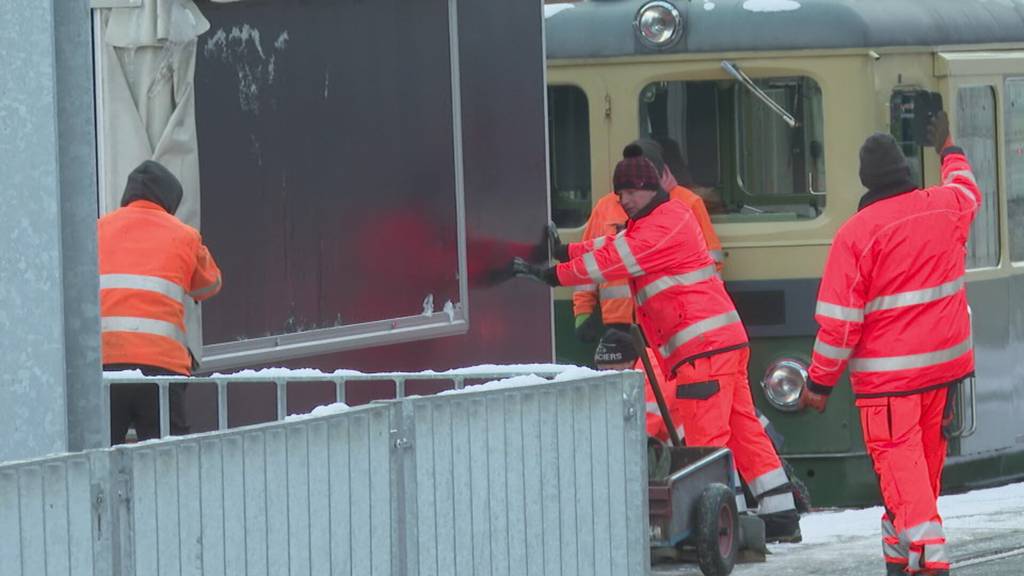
(769, 101)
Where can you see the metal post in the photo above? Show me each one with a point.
(282, 399)
(339, 390)
(165, 408)
(222, 405)
(50, 392)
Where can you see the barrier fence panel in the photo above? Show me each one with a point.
(537, 480)
(546, 478)
(47, 516)
(307, 496)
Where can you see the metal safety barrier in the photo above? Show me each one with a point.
(281, 380)
(546, 478)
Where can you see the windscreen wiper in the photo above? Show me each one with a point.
(742, 78)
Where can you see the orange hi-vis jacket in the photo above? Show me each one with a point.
(609, 218)
(681, 302)
(892, 302)
(149, 262)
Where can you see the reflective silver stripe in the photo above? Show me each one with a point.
(891, 363)
(829, 351)
(914, 297)
(586, 288)
(143, 282)
(964, 173)
(888, 528)
(592, 268)
(963, 190)
(925, 531)
(679, 339)
(632, 266)
(142, 326)
(763, 420)
(776, 503)
(618, 291)
(768, 481)
(838, 312)
(203, 291)
(661, 284)
(894, 551)
(600, 241)
(717, 255)
(934, 554)
(652, 408)
(930, 554)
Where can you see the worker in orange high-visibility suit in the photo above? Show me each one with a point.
(610, 304)
(893, 306)
(149, 262)
(690, 322)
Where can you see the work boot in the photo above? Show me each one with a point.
(782, 526)
(893, 569)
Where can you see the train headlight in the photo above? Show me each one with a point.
(658, 24)
(784, 382)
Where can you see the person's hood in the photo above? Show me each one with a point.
(151, 181)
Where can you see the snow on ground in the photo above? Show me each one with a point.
(970, 510)
(848, 542)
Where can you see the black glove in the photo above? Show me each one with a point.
(557, 250)
(545, 274)
(589, 327)
(938, 131)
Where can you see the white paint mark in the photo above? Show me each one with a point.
(771, 5)
(709, 6)
(282, 41)
(552, 9)
(327, 83)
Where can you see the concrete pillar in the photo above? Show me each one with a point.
(50, 392)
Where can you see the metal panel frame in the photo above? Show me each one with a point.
(227, 355)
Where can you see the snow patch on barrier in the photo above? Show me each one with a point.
(567, 373)
(325, 410)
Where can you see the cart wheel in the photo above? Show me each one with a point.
(717, 532)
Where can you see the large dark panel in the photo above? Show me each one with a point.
(502, 92)
(327, 163)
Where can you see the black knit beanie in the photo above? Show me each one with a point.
(615, 347)
(882, 164)
(151, 181)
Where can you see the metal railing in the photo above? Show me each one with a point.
(281, 381)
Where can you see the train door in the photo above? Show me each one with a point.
(578, 153)
(984, 95)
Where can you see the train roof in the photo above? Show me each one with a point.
(604, 28)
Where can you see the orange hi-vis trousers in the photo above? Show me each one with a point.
(904, 438)
(717, 410)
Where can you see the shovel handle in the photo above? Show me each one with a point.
(641, 349)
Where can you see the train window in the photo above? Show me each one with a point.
(569, 155)
(739, 154)
(1015, 165)
(976, 133)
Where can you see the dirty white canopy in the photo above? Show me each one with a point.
(146, 59)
